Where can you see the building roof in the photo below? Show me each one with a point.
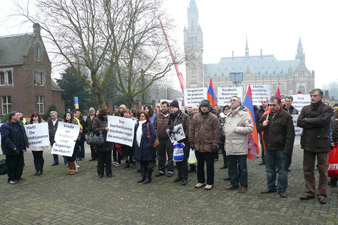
(14, 48)
(55, 87)
(265, 65)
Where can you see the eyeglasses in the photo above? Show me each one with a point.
(273, 105)
(233, 100)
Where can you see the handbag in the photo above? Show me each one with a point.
(333, 162)
(90, 138)
(156, 142)
(178, 154)
(98, 139)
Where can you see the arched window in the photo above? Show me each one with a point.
(301, 89)
(37, 53)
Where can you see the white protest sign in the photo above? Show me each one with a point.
(225, 93)
(65, 138)
(298, 130)
(121, 130)
(259, 92)
(299, 101)
(193, 96)
(37, 134)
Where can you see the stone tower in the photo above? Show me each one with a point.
(300, 52)
(193, 47)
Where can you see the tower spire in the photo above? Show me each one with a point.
(300, 52)
(246, 47)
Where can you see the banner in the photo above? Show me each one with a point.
(225, 93)
(37, 134)
(176, 134)
(259, 92)
(299, 101)
(121, 130)
(193, 96)
(65, 138)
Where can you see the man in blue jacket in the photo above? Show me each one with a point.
(14, 142)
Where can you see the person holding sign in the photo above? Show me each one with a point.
(100, 125)
(37, 151)
(68, 118)
(144, 152)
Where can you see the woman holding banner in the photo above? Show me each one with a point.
(144, 152)
(68, 118)
(37, 151)
(127, 151)
(100, 125)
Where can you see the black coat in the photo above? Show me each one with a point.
(100, 125)
(10, 138)
(145, 152)
(315, 121)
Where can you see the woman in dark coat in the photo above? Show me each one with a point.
(68, 118)
(100, 124)
(144, 152)
(81, 153)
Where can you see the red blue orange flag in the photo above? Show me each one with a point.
(211, 94)
(278, 95)
(253, 150)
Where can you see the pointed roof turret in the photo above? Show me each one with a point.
(246, 48)
(300, 52)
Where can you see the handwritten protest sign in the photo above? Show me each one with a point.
(259, 92)
(225, 93)
(193, 96)
(121, 130)
(37, 134)
(298, 130)
(65, 138)
(299, 101)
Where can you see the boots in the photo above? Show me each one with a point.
(40, 167)
(36, 167)
(72, 168)
(143, 172)
(69, 168)
(149, 171)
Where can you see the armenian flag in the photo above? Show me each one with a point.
(211, 94)
(253, 137)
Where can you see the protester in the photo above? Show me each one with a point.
(88, 130)
(144, 152)
(52, 127)
(164, 148)
(82, 138)
(149, 110)
(68, 118)
(236, 128)
(204, 136)
(128, 151)
(194, 111)
(121, 110)
(38, 151)
(178, 117)
(13, 142)
(117, 150)
(315, 121)
(334, 139)
(260, 112)
(279, 138)
(100, 125)
(222, 119)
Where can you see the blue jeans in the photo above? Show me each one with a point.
(56, 158)
(238, 170)
(276, 159)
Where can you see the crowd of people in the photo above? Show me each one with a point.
(208, 132)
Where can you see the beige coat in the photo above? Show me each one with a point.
(236, 128)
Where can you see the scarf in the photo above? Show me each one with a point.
(139, 132)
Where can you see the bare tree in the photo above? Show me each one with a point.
(108, 37)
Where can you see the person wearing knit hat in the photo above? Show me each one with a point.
(88, 130)
(174, 104)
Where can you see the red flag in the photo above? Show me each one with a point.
(253, 146)
(211, 94)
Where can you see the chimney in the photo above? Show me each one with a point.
(36, 29)
(233, 54)
(261, 53)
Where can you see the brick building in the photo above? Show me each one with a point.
(25, 75)
(293, 75)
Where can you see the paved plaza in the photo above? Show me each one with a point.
(55, 198)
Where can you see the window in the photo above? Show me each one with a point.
(301, 89)
(301, 73)
(37, 53)
(6, 104)
(40, 104)
(282, 86)
(6, 77)
(38, 78)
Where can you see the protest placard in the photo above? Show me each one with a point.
(298, 130)
(193, 96)
(121, 130)
(259, 92)
(37, 134)
(65, 138)
(299, 101)
(225, 93)
(176, 134)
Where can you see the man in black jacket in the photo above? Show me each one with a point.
(52, 127)
(260, 112)
(14, 142)
(315, 121)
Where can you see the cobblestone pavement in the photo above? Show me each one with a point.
(55, 198)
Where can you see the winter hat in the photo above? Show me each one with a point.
(174, 104)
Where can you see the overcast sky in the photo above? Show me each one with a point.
(271, 25)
